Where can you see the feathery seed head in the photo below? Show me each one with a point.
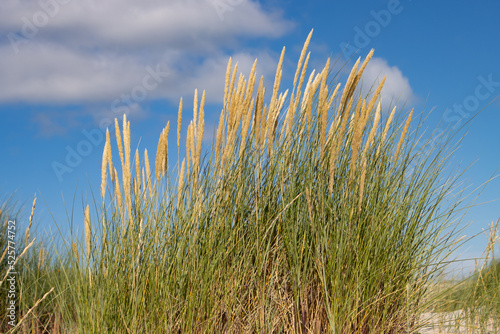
(104, 170)
(195, 111)
(301, 58)
(87, 231)
(110, 157)
(219, 136)
(179, 121)
(403, 134)
(119, 141)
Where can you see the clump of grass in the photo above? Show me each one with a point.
(308, 214)
(313, 213)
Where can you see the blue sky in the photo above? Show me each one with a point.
(68, 67)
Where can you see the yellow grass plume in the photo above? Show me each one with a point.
(27, 233)
(88, 231)
(179, 121)
(403, 134)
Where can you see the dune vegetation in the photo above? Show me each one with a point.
(313, 211)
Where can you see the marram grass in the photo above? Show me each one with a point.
(304, 217)
(312, 212)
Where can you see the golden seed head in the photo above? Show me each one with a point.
(388, 124)
(148, 172)
(110, 157)
(119, 141)
(376, 95)
(118, 192)
(179, 121)
(386, 129)
(228, 77)
(195, 111)
(104, 170)
(363, 66)
(87, 231)
(218, 137)
(348, 89)
(137, 172)
(403, 134)
(189, 140)
(371, 136)
(201, 128)
(75, 251)
(277, 81)
(181, 179)
(162, 153)
(301, 58)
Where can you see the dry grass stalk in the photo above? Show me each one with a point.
(27, 233)
(109, 156)
(179, 121)
(314, 87)
(195, 112)
(338, 142)
(245, 128)
(373, 100)
(137, 187)
(144, 184)
(258, 113)
(301, 82)
(88, 231)
(228, 77)
(148, 173)
(31, 309)
(403, 134)
(322, 105)
(250, 88)
(119, 141)
(189, 141)
(359, 125)
(363, 66)
(369, 141)
(162, 153)
(301, 58)
(118, 193)
(276, 87)
(305, 97)
(75, 251)
(104, 169)
(229, 97)
(192, 143)
(386, 129)
(218, 136)
(10, 267)
(263, 127)
(288, 116)
(346, 95)
(373, 131)
(127, 176)
(336, 121)
(181, 182)
(201, 128)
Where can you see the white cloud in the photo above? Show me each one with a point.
(88, 51)
(397, 87)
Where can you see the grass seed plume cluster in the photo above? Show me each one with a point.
(302, 217)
